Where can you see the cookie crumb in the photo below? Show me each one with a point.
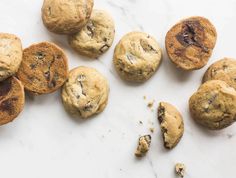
(152, 129)
(150, 104)
(180, 169)
(144, 97)
(140, 122)
(143, 145)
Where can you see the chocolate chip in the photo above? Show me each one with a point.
(40, 55)
(32, 66)
(146, 46)
(192, 33)
(5, 87)
(7, 105)
(104, 48)
(47, 75)
(90, 28)
(131, 57)
(52, 84)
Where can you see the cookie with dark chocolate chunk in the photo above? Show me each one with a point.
(44, 68)
(190, 43)
(12, 99)
(214, 105)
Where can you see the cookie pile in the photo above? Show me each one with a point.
(42, 68)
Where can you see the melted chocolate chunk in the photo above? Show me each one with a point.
(5, 87)
(8, 105)
(104, 48)
(192, 33)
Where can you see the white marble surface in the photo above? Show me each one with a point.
(45, 142)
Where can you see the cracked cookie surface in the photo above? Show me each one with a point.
(224, 69)
(143, 145)
(190, 43)
(137, 57)
(85, 93)
(172, 125)
(12, 99)
(96, 37)
(10, 55)
(44, 68)
(214, 105)
(66, 16)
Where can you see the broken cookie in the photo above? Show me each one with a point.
(214, 105)
(172, 125)
(180, 169)
(143, 145)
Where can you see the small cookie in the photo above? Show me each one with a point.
(172, 125)
(66, 16)
(190, 43)
(96, 37)
(12, 99)
(180, 169)
(10, 55)
(44, 68)
(85, 93)
(214, 105)
(224, 69)
(143, 145)
(137, 57)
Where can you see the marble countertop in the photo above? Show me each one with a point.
(44, 141)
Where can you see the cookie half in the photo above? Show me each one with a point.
(96, 37)
(12, 99)
(44, 68)
(190, 43)
(137, 57)
(85, 93)
(214, 105)
(10, 55)
(172, 124)
(66, 16)
(224, 69)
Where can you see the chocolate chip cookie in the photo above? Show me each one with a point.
(96, 37)
(66, 16)
(10, 55)
(12, 99)
(172, 125)
(137, 57)
(190, 43)
(85, 93)
(214, 105)
(44, 68)
(224, 69)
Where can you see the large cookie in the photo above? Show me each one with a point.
(190, 43)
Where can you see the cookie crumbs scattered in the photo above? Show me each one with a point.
(152, 129)
(180, 169)
(143, 145)
(140, 122)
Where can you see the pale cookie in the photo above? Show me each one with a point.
(44, 68)
(10, 55)
(190, 43)
(12, 99)
(180, 169)
(96, 37)
(143, 145)
(214, 105)
(85, 93)
(137, 57)
(66, 16)
(172, 125)
(224, 69)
